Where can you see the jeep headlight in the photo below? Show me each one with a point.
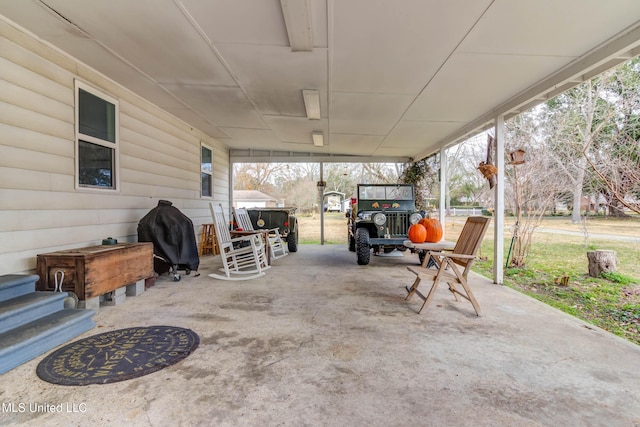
(379, 219)
(414, 218)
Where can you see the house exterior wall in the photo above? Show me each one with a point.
(40, 208)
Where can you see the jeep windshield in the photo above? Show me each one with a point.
(385, 192)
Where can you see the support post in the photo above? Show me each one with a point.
(230, 198)
(321, 191)
(443, 189)
(498, 233)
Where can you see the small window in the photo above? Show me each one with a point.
(96, 138)
(206, 172)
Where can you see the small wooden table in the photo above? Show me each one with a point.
(442, 245)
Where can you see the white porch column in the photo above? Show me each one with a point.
(498, 234)
(443, 189)
(230, 198)
(321, 192)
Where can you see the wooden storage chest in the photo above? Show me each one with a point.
(96, 270)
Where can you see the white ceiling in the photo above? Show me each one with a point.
(397, 78)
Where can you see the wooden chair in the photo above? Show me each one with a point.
(242, 257)
(276, 244)
(453, 267)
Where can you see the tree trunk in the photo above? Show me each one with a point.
(577, 196)
(601, 261)
(615, 210)
(447, 202)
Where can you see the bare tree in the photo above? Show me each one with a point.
(615, 155)
(534, 185)
(568, 128)
(465, 181)
(380, 173)
(340, 178)
(303, 194)
(254, 176)
(592, 132)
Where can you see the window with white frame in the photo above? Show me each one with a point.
(206, 171)
(96, 139)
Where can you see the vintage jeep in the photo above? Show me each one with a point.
(380, 219)
(282, 218)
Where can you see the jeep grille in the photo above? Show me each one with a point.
(398, 223)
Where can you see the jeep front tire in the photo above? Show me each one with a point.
(363, 248)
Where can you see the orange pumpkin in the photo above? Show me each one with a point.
(417, 233)
(433, 229)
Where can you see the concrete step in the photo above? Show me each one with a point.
(27, 308)
(28, 341)
(15, 285)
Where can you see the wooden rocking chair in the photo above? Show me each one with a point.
(453, 267)
(242, 257)
(276, 244)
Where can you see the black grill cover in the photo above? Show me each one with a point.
(172, 235)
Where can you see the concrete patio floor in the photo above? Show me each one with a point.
(321, 341)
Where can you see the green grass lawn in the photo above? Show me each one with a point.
(611, 303)
(335, 228)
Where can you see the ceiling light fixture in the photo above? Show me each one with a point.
(318, 139)
(312, 103)
(297, 19)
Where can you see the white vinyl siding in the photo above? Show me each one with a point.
(40, 208)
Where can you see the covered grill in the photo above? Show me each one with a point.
(173, 238)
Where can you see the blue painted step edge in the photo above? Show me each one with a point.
(29, 341)
(15, 285)
(27, 308)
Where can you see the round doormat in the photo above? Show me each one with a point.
(118, 355)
